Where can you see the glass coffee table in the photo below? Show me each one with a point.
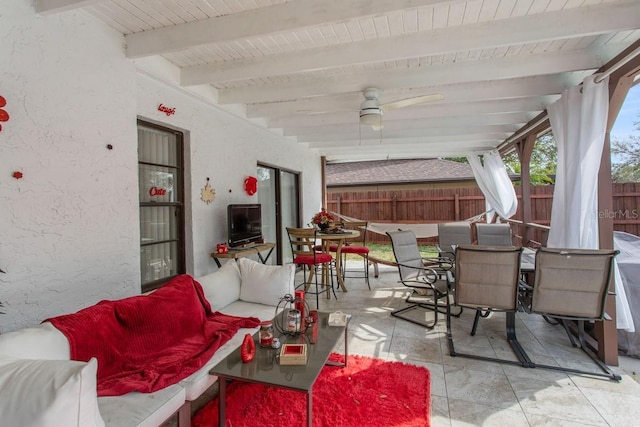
(265, 369)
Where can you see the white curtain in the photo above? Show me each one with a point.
(492, 178)
(578, 120)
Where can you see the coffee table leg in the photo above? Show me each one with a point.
(346, 347)
(222, 402)
(309, 409)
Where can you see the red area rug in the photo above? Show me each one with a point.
(367, 393)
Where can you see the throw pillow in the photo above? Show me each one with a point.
(39, 342)
(265, 284)
(48, 393)
(222, 287)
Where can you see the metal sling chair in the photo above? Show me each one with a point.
(487, 278)
(427, 283)
(573, 284)
(491, 235)
(494, 234)
(451, 234)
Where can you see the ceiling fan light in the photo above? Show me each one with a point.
(370, 116)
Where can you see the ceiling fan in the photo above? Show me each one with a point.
(371, 110)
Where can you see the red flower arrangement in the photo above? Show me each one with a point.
(322, 218)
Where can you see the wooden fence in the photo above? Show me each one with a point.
(453, 204)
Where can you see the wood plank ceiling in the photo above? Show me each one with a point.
(299, 67)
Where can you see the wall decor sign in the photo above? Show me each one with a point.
(157, 191)
(168, 111)
(4, 116)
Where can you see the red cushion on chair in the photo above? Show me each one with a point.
(320, 258)
(355, 250)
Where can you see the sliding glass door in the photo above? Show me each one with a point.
(278, 193)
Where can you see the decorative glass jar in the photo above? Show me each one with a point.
(266, 333)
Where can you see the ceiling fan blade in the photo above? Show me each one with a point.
(411, 101)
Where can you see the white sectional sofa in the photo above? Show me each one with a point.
(48, 389)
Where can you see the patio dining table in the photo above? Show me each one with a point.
(337, 237)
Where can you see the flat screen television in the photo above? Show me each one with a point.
(244, 224)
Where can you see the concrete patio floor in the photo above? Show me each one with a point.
(467, 392)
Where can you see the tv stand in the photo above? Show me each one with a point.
(244, 251)
(244, 246)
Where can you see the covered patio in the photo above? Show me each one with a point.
(293, 85)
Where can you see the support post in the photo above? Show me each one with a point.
(525, 148)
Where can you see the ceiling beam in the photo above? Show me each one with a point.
(460, 92)
(517, 119)
(535, 28)
(431, 75)
(50, 7)
(466, 140)
(262, 21)
(409, 151)
(529, 106)
(436, 132)
(496, 106)
(323, 120)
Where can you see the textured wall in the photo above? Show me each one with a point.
(69, 231)
(225, 149)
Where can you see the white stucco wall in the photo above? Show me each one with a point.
(226, 149)
(69, 231)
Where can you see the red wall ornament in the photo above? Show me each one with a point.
(4, 116)
(251, 185)
(17, 175)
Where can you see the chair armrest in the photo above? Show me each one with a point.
(426, 270)
(447, 254)
(524, 285)
(444, 263)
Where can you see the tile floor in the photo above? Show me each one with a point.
(468, 392)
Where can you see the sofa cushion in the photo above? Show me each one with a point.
(42, 393)
(265, 284)
(222, 287)
(198, 382)
(141, 409)
(39, 342)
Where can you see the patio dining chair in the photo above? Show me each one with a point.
(303, 243)
(451, 234)
(487, 278)
(494, 234)
(573, 285)
(428, 285)
(491, 235)
(356, 246)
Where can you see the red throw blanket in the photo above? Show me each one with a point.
(147, 342)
